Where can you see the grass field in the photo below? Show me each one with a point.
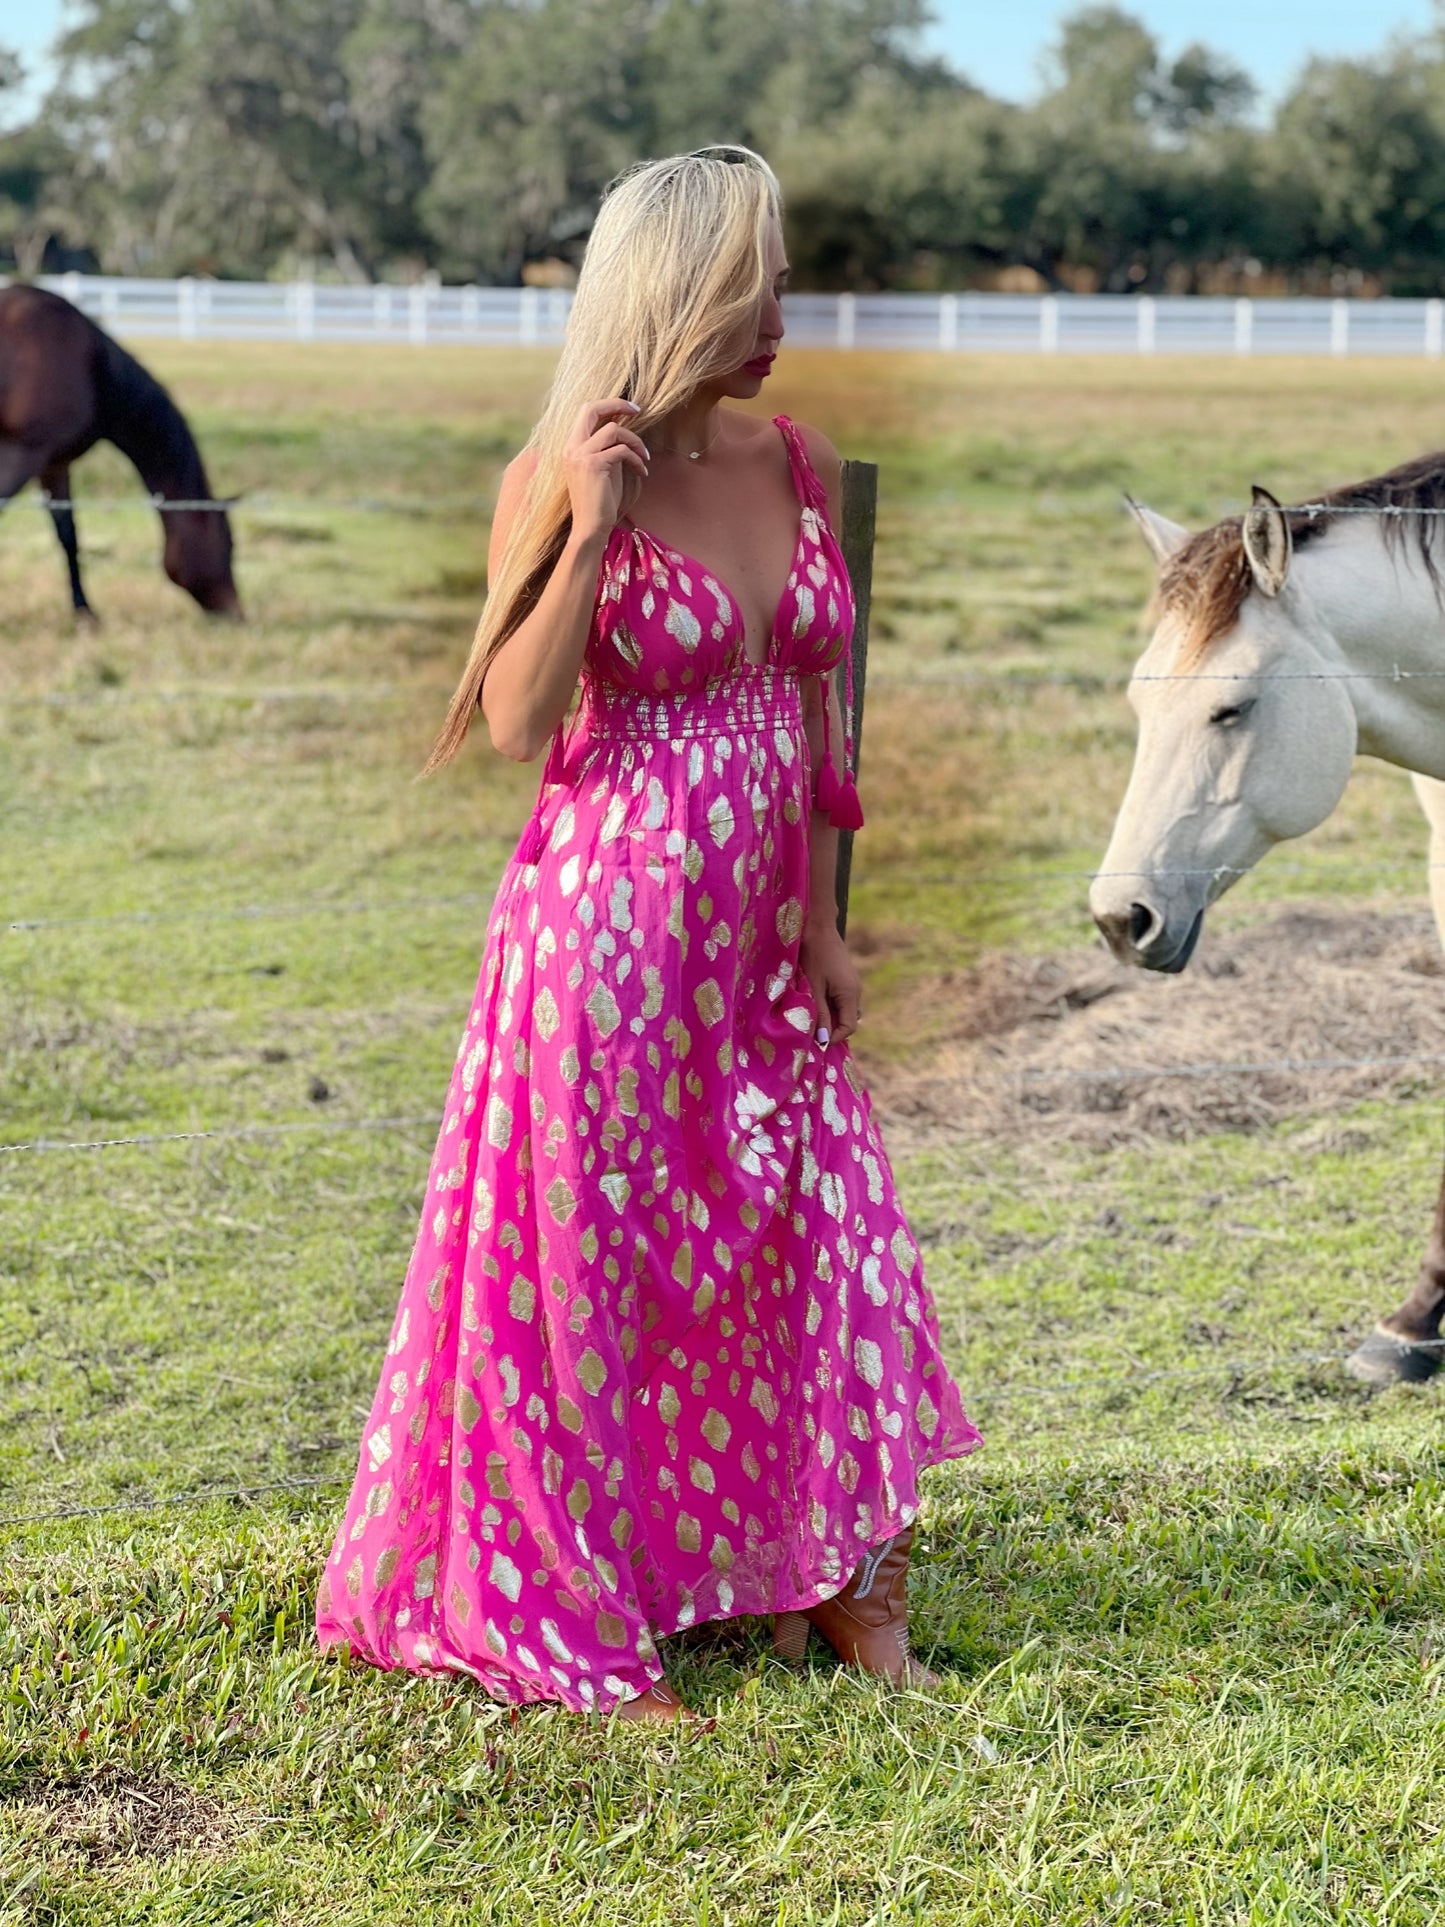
(1192, 1620)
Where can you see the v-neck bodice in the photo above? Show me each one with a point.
(665, 622)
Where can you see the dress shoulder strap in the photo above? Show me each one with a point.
(811, 491)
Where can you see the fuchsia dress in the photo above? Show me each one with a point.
(664, 1352)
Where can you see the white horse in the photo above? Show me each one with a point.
(1288, 643)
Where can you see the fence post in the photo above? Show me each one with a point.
(1049, 325)
(1434, 316)
(416, 313)
(305, 311)
(186, 308)
(1148, 324)
(471, 310)
(847, 320)
(1244, 327)
(948, 323)
(860, 517)
(1339, 327)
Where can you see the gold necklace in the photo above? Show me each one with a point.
(693, 454)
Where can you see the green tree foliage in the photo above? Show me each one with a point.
(552, 99)
(232, 135)
(384, 137)
(1362, 147)
(32, 159)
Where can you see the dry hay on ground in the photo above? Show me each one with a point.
(1302, 984)
(115, 1815)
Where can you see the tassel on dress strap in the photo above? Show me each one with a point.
(811, 491)
(837, 795)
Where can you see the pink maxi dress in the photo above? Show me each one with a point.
(664, 1352)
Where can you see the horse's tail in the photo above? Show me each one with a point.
(137, 413)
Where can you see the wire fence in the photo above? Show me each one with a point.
(260, 503)
(962, 680)
(1025, 1077)
(1237, 1371)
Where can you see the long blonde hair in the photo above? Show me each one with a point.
(674, 275)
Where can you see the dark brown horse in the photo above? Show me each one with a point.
(64, 386)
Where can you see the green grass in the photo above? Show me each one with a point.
(1190, 1603)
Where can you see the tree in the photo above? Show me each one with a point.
(552, 99)
(226, 134)
(1362, 147)
(33, 164)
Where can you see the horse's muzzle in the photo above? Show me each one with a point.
(1139, 935)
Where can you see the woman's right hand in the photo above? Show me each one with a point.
(605, 465)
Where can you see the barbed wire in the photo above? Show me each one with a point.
(1235, 1369)
(1232, 1367)
(961, 682)
(382, 504)
(217, 692)
(149, 1502)
(256, 912)
(260, 502)
(1025, 1075)
(151, 1139)
(1097, 682)
(1326, 869)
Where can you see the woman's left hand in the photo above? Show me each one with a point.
(837, 987)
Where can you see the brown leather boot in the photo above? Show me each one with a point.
(866, 1624)
(658, 1704)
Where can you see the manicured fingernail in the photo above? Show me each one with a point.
(634, 406)
(823, 1034)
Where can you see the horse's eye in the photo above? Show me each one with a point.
(1233, 713)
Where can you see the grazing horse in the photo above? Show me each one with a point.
(64, 386)
(1288, 641)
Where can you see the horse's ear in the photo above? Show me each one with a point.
(1268, 544)
(1165, 538)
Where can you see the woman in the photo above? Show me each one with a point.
(664, 1352)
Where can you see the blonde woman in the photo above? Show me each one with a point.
(664, 1353)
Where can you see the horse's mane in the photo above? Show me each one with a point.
(145, 424)
(1206, 582)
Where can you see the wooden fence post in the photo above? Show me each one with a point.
(860, 514)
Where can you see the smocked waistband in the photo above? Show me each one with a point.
(754, 698)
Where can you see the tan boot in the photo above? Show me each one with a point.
(866, 1624)
(658, 1704)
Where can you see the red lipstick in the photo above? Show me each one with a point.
(760, 365)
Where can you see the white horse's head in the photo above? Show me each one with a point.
(1241, 741)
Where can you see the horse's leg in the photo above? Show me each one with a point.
(55, 480)
(1406, 1345)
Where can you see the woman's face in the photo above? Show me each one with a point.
(746, 380)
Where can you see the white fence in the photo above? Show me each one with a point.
(952, 323)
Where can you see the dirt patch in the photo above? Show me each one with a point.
(115, 1815)
(1056, 1046)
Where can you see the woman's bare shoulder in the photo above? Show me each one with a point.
(519, 471)
(827, 462)
(516, 478)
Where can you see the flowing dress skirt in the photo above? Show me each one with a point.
(664, 1351)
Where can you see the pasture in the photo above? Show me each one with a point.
(1190, 1602)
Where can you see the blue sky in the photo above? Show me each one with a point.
(997, 43)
